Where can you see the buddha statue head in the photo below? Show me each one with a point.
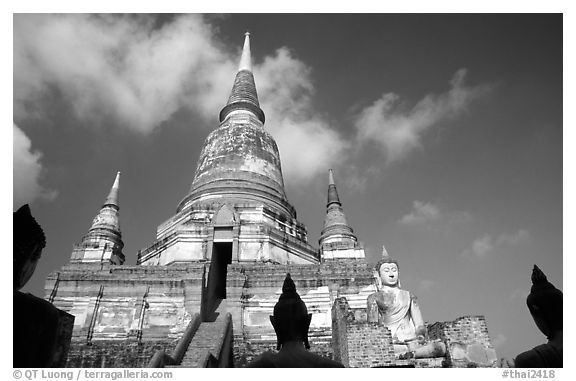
(387, 270)
(29, 240)
(291, 319)
(545, 303)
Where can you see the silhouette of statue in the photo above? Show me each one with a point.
(291, 321)
(398, 310)
(29, 240)
(545, 305)
(37, 323)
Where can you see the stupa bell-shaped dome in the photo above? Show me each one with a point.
(240, 162)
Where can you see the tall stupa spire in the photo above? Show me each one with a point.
(243, 95)
(103, 243)
(335, 221)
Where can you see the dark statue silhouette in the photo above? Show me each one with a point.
(291, 321)
(41, 331)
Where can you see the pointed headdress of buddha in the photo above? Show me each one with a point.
(545, 300)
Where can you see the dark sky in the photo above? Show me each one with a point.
(444, 132)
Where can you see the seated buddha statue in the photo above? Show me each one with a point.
(398, 310)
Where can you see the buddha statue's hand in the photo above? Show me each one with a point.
(421, 333)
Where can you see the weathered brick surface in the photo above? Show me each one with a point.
(359, 344)
(114, 354)
(467, 341)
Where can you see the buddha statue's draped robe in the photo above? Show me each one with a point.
(392, 306)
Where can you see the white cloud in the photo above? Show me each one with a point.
(119, 67)
(27, 171)
(128, 70)
(422, 213)
(519, 237)
(398, 132)
(482, 247)
(307, 143)
(131, 71)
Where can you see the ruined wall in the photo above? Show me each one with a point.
(114, 353)
(467, 341)
(359, 344)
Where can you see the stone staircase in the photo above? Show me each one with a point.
(208, 344)
(205, 344)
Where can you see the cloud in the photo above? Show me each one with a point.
(519, 237)
(123, 68)
(483, 246)
(132, 71)
(27, 171)
(308, 144)
(422, 213)
(129, 70)
(398, 131)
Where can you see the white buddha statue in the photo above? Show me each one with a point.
(398, 310)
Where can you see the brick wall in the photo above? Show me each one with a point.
(359, 344)
(467, 341)
(115, 354)
(246, 350)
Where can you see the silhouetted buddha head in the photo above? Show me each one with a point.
(388, 271)
(291, 319)
(29, 240)
(545, 303)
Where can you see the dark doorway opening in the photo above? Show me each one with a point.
(216, 287)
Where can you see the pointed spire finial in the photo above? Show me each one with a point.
(112, 198)
(246, 59)
(332, 192)
(331, 177)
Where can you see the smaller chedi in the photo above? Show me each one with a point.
(398, 310)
